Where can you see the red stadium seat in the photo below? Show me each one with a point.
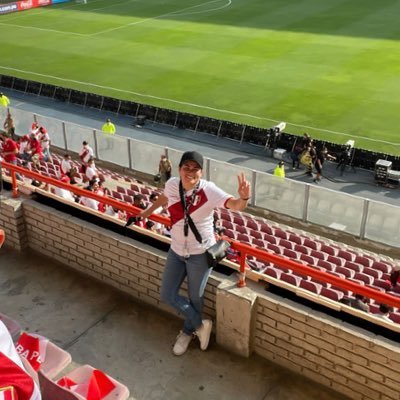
(242, 237)
(312, 244)
(270, 239)
(318, 254)
(367, 262)
(336, 260)
(330, 250)
(259, 243)
(381, 266)
(296, 239)
(333, 294)
(286, 244)
(302, 249)
(290, 278)
(311, 286)
(252, 224)
(367, 279)
(354, 266)
(328, 266)
(274, 248)
(281, 234)
(121, 189)
(347, 255)
(386, 285)
(241, 229)
(348, 273)
(375, 273)
(294, 255)
(256, 234)
(273, 272)
(266, 229)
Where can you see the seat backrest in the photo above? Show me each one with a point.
(51, 391)
(56, 360)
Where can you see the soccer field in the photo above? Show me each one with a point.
(328, 67)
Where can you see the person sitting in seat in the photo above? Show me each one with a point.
(15, 382)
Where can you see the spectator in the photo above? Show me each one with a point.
(35, 151)
(279, 170)
(9, 126)
(320, 158)
(91, 170)
(66, 164)
(164, 169)
(156, 226)
(358, 302)
(395, 277)
(9, 149)
(44, 140)
(138, 201)
(295, 156)
(384, 311)
(23, 148)
(108, 127)
(89, 202)
(85, 155)
(64, 193)
(14, 379)
(4, 100)
(34, 129)
(187, 256)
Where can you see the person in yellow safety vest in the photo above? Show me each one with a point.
(4, 100)
(108, 127)
(279, 170)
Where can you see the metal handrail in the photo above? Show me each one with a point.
(244, 249)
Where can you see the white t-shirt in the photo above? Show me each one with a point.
(91, 172)
(91, 203)
(44, 139)
(88, 151)
(208, 196)
(64, 193)
(66, 166)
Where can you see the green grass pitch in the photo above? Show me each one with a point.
(328, 67)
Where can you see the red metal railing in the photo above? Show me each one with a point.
(244, 249)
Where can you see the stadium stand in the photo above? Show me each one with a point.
(340, 261)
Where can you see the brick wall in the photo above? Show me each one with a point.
(12, 222)
(130, 266)
(340, 356)
(347, 359)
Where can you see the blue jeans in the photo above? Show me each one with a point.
(196, 269)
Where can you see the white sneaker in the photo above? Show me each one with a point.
(203, 333)
(182, 343)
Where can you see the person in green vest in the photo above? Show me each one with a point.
(108, 127)
(4, 100)
(279, 170)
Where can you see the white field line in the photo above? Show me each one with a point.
(185, 103)
(178, 14)
(151, 19)
(44, 29)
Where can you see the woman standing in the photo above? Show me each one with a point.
(186, 257)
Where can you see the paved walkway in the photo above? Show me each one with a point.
(132, 341)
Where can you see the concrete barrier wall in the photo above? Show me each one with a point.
(345, 358)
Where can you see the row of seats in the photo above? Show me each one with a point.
(73, 385)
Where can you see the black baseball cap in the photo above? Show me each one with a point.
(192, 156)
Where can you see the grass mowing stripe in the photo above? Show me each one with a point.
(315, 64)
